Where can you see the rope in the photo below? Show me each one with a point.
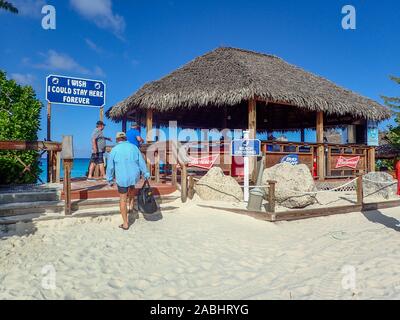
(266, 186)
(296, 191)
(380, 182)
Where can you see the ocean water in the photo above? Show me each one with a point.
(79, 168)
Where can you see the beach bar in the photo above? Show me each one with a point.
(230, 89)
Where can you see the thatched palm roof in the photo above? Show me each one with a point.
(229, 76)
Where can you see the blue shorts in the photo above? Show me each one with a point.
(124, 190)
(97, 158)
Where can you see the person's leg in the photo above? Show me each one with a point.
(100, 162)
(123, 209)
(131, 199)
(91, 169)
(102, 171)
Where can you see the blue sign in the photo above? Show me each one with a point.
(372, 134)
(291, 158)
(75, 91)
(246, 148)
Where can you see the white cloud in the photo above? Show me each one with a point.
(31, 8)
(99, 72)
(55, 61)
(100, 12)
(94, 46)
(23, 79)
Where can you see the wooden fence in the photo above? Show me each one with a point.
(53, 150)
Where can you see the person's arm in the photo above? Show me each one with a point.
(110, 167)
(95, 136)
(140, 139)
(142, 165)
(94, 145)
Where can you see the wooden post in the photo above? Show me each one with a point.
(54, 167)
(321, 147)
(184, 183)
(360, 192)
(49, 165)
(48, 137)
(101, 113)
(124, 125)
(58, 166)
(149, 125)
(271, 195)
(191, 187)
(252, 126)
(67, 185)
(157, 166)
(371, 159)
(174, 176)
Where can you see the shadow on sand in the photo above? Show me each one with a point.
(19, 229)
(378, 217)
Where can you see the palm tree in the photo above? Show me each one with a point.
(8, 6)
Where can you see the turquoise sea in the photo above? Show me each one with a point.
(79, 168)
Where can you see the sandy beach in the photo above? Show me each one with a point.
(193, 253)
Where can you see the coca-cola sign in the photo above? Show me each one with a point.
(347, 162)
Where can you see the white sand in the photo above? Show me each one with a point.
(194, 253)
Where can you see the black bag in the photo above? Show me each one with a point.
(145, 199)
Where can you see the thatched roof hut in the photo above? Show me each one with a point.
(228, 77)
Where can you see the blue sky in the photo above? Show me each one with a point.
(128, 43)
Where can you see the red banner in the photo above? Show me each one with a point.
(347, 162)
(203, 162)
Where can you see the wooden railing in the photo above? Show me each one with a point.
(53, 150)
(307, 154)
(274, 151)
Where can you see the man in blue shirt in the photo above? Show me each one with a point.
(125, 163)
(133, 135)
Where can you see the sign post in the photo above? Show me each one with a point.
(72, 91)
(101, 114)
(246, 148)
(48, 138)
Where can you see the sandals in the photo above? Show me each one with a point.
(122, 227)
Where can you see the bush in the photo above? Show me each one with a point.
(19, 120)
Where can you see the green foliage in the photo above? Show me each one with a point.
(19, 120)
(394, 104)
(385, 163)
(8, 6)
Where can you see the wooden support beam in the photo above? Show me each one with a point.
(302, 135)
(184, 187)
(271, 195)
(191, 187)
(149, 125)
(157, 166)
(30, 145)
(320, 148)
(58, 166)
(371, 159)
(252, 126)
(67, 185)
(360, 192)
(174, 176)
